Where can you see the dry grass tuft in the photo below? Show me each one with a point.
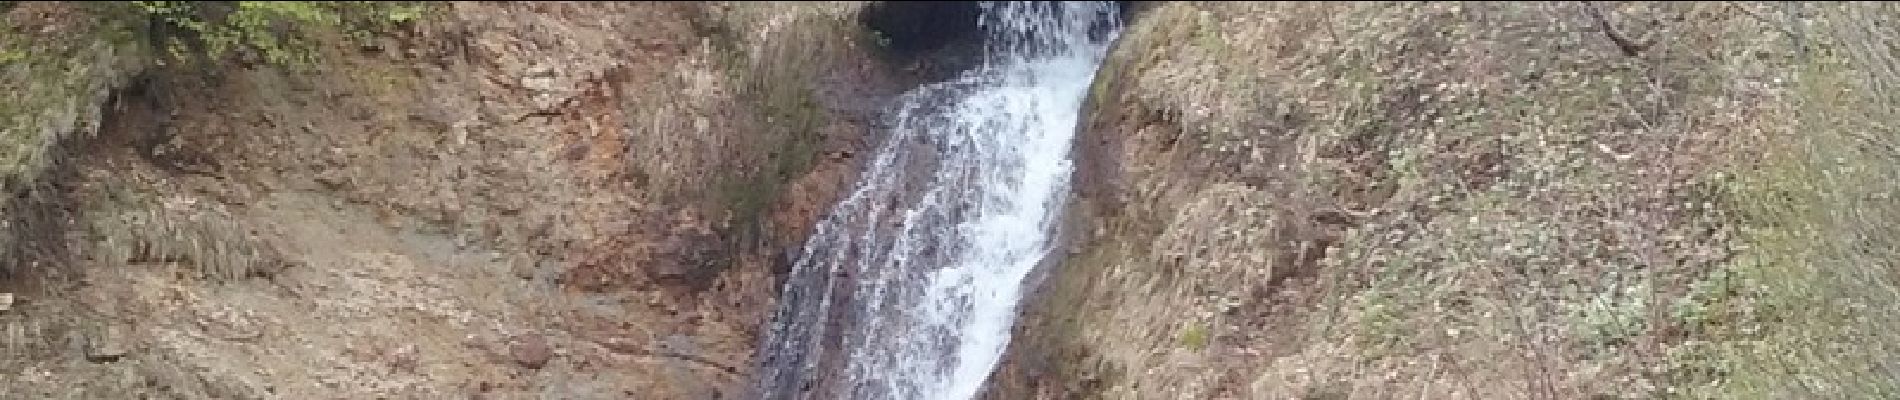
(126, 225)
(779, 53)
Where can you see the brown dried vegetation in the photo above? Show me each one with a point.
(1480, 200)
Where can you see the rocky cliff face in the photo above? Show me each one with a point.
(567, 200)
(1369, 200)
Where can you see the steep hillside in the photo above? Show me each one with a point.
(1477, 200)
(550, 200)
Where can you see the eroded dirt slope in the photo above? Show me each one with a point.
(507, 200)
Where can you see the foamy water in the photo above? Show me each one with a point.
(918, 272)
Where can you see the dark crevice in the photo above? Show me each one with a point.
(936, 39)
(913, 28)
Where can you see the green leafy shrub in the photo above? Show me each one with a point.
(275, 32)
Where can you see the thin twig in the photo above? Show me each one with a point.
(1629, 48)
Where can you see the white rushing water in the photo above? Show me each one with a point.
(909, 288)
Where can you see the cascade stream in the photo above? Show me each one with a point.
(908, 289)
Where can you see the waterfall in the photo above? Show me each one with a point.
(908, 289)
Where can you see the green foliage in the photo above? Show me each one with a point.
(1194, 337)
(276, 32)
(8, 55)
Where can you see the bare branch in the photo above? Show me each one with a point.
(1629, 48)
